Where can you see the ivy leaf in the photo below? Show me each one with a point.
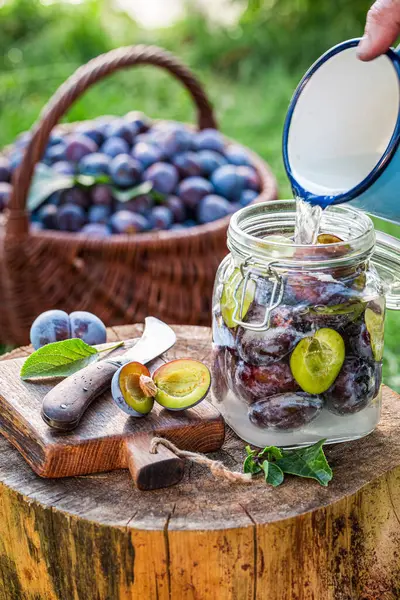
(59, 359)
(250, 465)
(307, 462)
(271, 452)
(274, 475)
(45, 182)
(138, 190)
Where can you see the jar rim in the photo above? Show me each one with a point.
(269, 218)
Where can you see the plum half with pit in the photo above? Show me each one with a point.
(51, 326)
(258, 383)
(285, 412)
(316, 361)
(127, 391)
(354, 388)
(181, 384)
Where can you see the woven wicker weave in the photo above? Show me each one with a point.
(123, 278)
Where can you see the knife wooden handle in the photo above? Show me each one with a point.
(152, 471)
(64, 406)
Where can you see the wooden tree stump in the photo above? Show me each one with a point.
(98, 538)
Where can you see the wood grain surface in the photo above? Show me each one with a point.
(98, 538)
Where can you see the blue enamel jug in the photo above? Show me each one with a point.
(342, 132)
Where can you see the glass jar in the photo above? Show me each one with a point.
(298, 330)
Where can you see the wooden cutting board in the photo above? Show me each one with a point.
(106, 438)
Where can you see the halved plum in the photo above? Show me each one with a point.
(374, 318)
(127, 391)
(181, 384)
(316, 361)
(228, 298)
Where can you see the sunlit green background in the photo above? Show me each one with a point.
(249, 55)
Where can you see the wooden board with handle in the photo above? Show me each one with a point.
(106, 439)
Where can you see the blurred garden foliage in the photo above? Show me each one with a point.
(250, 70)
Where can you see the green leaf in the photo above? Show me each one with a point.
(59, 359)
(126, 195)
(46, 182)
(91, 180)
(265, 468)
(271, 452)
(250, 466)
(250, 452)
(307, 462)
(275, 475)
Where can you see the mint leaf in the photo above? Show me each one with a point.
(59, 359)
(45, 182)
(138, 190)
(307, 462)
(275, 475)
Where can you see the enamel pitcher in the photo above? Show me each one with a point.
(342, 132)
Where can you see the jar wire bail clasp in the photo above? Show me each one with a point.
(251, 271)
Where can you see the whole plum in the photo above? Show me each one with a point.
(99, 214)
(228, 182)
(147, 154)
(358, 341)
(247, 197)
(70, 217)
(47, 216)
(176, 141)
(75, 195)
(163, 176)
(140, 204)
(122, 129)
(212, 207)
(55, 153)
(96, 230)
(193, 189)
(50, 326)
(114, 146)
(92, 130)
(87, 327)
(64, 167)
(236, 155)
(354, 387)
(139, 120)
(161, 218)
(258, 383)
(78, 146)
(250, 177)
(101, 195)
(177, 207)
(187, 164)
(16, 158)
(285, 412)
(231, 362)
(5, 170)
(94, 164)
(210, 161)
(262, 348)
(125, 221)
(209, 139)
(219, 385)
(5, 194)
(125, 171)
(314, 291)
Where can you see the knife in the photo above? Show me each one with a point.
(64, 406)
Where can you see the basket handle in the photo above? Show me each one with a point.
(71, 90)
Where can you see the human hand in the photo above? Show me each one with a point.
(382, 29)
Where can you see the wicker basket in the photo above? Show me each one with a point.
(123, 278)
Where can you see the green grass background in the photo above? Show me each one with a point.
(249, 70)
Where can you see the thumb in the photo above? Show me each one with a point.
(382, 29)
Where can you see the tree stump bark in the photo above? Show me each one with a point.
(98, 538)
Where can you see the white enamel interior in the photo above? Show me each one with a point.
(342, 123)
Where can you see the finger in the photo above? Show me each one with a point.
(381, 30)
